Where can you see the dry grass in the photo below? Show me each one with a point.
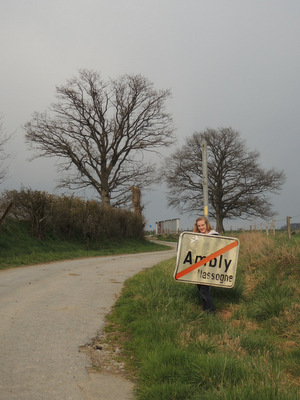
(261, 255)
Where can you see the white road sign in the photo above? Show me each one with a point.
(207, 259)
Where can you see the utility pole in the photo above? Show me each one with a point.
(204, 183)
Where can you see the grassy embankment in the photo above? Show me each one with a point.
(248, 350)
(19, 248)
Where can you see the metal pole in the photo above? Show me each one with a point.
(205, 186)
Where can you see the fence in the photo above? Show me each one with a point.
(289, 227)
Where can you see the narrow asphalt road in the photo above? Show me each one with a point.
(47, 312)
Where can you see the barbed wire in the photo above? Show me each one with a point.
(296, 216)
(282, 220)
(269, 221)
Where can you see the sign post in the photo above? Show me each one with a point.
(206, 259)
(204, 182)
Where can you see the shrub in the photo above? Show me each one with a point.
(71, 217)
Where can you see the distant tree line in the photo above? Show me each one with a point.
(294, 226)
(70, 217)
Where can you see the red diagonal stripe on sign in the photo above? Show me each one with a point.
(206, 259)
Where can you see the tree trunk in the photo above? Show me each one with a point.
(219, 220)
(7, 211)
(105, 199)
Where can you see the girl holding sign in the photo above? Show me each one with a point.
(203, 226)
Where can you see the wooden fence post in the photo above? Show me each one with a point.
(273, 225)
(267, 228)
(288, 223)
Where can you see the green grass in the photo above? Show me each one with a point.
(168, 238)
(19, 248)
(174, 351)
(248, 350)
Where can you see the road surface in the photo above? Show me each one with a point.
(47, 312)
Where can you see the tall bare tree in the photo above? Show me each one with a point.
(237, 186)
(100, 130)
(4, 140)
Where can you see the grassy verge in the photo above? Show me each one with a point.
(19, 248)
(248, 350)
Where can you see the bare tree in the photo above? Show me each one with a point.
(100, 130)
(4, 139)
(237, 186)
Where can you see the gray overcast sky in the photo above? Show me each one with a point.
(227, 62)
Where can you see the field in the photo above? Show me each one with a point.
(169, 347)
(248, 350)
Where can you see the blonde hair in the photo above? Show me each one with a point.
(208, 226)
